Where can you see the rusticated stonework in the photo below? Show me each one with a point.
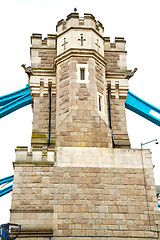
(85, 192)
(81, 180)
(113, 60)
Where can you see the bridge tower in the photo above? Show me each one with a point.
(81, 179)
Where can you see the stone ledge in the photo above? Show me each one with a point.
(113, 237)
(35, 163)
(31, 210)
(82, 52)
(102, 157)
(36, 233)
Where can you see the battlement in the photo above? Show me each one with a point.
(118, 45)
(36, 155)
(73, 20)
(48, 42)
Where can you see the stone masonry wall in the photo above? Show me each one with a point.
(40, 121)
(83, 128)
(63, 98)
(102, 202)
(78, 121)
(32, 198)
(112, 61)
(119, 123)
(47, 57)
(93, 198)
(115, 54)
(99, 77)
(43, 52)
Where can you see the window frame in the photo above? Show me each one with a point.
(83, 67)
(100, 103)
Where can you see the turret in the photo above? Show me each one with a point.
(81, 103)
(78, 64)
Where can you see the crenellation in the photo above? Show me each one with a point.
(120, 43)
(38, 42)
(117, 46)
(44, 42)
(73, 20)
(36, 155)
(60, 25)
(89, 20)
(51, 40)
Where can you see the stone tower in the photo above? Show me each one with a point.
(81, 179)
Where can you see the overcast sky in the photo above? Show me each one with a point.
(136, 20)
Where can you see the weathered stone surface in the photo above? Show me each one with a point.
(78, 201)
(41, 121)
(77, 186)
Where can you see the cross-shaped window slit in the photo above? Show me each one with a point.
(64, 44)
(81, 39)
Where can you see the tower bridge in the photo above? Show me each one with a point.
(82, 179)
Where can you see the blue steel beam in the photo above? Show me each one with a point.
(142, 108)
(6, 179)
(5, 99)
(8, 104)
(6, 190)
(15, 105)
(14, 101)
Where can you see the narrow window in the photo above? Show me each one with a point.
(82, 74)
(100, 103)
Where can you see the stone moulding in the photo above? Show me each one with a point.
(35, 233)
(76, 52)
(80, 28)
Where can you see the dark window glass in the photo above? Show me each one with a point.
(100, 103)
(82, 74)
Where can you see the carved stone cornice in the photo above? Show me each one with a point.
(76, 52)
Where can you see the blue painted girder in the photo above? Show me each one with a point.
(142, 108)
(6, 179)
(8, 189)
(14, 101)
(12, 96)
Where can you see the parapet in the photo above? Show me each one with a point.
(48, 42)
(38, 155)
(118, 45)
(73, 20)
